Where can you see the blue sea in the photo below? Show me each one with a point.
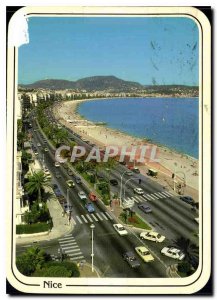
(171, 122)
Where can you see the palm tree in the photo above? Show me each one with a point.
(191, 250)
(36, 183)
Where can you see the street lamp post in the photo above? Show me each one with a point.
(92, 226)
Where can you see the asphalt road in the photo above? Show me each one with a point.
(170, 217)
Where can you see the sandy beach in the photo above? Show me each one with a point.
(170, 161)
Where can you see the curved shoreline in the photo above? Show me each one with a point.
(145, 139)
(171, 160)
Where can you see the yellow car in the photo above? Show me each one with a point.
(144, 253)
(70, 183)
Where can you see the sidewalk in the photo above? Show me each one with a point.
(85, 270)
(61, 225)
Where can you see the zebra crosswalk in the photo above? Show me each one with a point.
(150, 197)
(70, 247)
(91, 218)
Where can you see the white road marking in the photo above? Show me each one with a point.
(67, 243)
(84, 219)
(94, 218)
(77, 257)
(89, 218)
(110, 217)
(104, 216)
(66, 239)
(98, 215)
(79, 220)
(70, 247)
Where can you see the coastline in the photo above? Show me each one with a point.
(171, 161)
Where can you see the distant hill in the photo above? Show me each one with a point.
(95, 83)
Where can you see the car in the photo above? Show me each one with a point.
(57, 192)
(131, 259)
(93, 197)
(70, 183)
(38, 144)
(145, 208)
(70, 173)
(120, 229)
(123, 163)
(129, 173)
(47, 173)
(113, 182)
(90, 208)
(45, 149)
(144, 253)
(58, 175)
(173, 252)
(78, 180)
(136, 170)
(36, 153)
(152, 236)
(138, 191)
(82, 195)
(57, 164)
(187, 199)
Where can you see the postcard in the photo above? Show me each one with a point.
(108, 150)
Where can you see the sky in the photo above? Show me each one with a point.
(154, 50)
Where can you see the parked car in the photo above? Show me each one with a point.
(70, 183)
(113, 182)
(78, 180)
(38, 144)
(120, 229)
(93, 197)
(57, 164)
(90, 208)
(82, 195)
(138, 191)
(152, 236)
(136, 170)
(145, 208)
(45, 149)
(187, 199)
(131, 259)
(173, 252)
(129, 173)
(144, 253)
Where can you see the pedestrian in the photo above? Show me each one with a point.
(81, 265)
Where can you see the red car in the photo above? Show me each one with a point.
(92, 197)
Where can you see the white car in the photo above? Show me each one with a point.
(144, 253)
(82, 195)
(139, 191)
(129, 173)
(38, 144)
(57, 164)
(152, 236)
(173, 252)
(120, 229)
